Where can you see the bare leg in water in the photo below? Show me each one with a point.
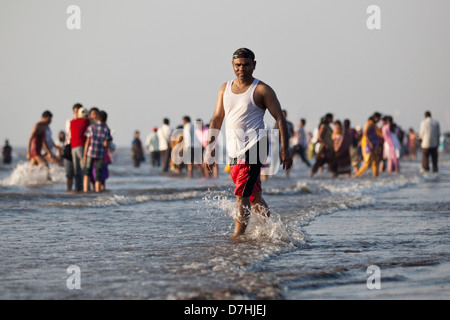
(258, 205)
(41, 162)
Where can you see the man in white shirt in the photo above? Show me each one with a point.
(191, 152)
(429, 134)
(164, 134)
(68, 164)
(241, 104)
(152, 145)
(301, 143)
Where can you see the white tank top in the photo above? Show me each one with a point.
(244, 120)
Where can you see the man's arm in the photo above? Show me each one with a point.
(366, 134)
(320, 136)
(214, 128)
(421, 130)
(33, 134)
(438, 130)
(47, 147)
(107, 141)
(272, 104)
(86, 146)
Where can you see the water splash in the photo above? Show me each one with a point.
(25, 174)
(259, 227)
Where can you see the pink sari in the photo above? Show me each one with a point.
(391, 148)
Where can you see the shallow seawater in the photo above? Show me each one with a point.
(156, 236)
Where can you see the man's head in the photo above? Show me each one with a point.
(75, 108)
(47, 117)
(302, 121)
(376, 117)
(102, 116)
(347, 123)
(427, 114)
(244, 63)
(94, 114)
(329, 117)
(186, 119)
(244, 53)
(166, 121)
(82, 113)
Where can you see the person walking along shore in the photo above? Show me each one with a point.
(242, 103)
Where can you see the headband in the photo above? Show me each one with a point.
(244, 53)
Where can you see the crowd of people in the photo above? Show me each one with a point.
(84, 148)
(348, 151)
(187, 141)
(334, 144)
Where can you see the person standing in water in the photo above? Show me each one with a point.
(7, 153)
(137, 151)
(326, 154)
(38, 140)
(429, 134)
(98, 138)
(242, 103)
(371, 146)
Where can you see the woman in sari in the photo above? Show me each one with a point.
(371, 143)
(342, 140)
(391, 145)
(326, 153)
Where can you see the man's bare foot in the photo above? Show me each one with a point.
(236, 236)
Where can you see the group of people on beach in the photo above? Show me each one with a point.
(83, 149)
(157, 144)
(346, 150)
(241, 104)
(187, 143)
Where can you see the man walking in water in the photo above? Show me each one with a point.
(38, 140)
(429, 134)
(242, 103)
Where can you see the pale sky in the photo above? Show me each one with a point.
(143, 60)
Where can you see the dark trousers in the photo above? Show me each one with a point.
(426, 153)
(326, 156)
(155, 158)
(99, 163)
(300, 150)
(165, 159)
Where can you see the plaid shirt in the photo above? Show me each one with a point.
(97, 133)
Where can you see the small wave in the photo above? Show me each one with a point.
(360, 186)
(25, 174)
(124, 200)
(297, 189)
(345, 186)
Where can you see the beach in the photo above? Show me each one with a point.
(163, 237)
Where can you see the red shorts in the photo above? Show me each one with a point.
(247, 179)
